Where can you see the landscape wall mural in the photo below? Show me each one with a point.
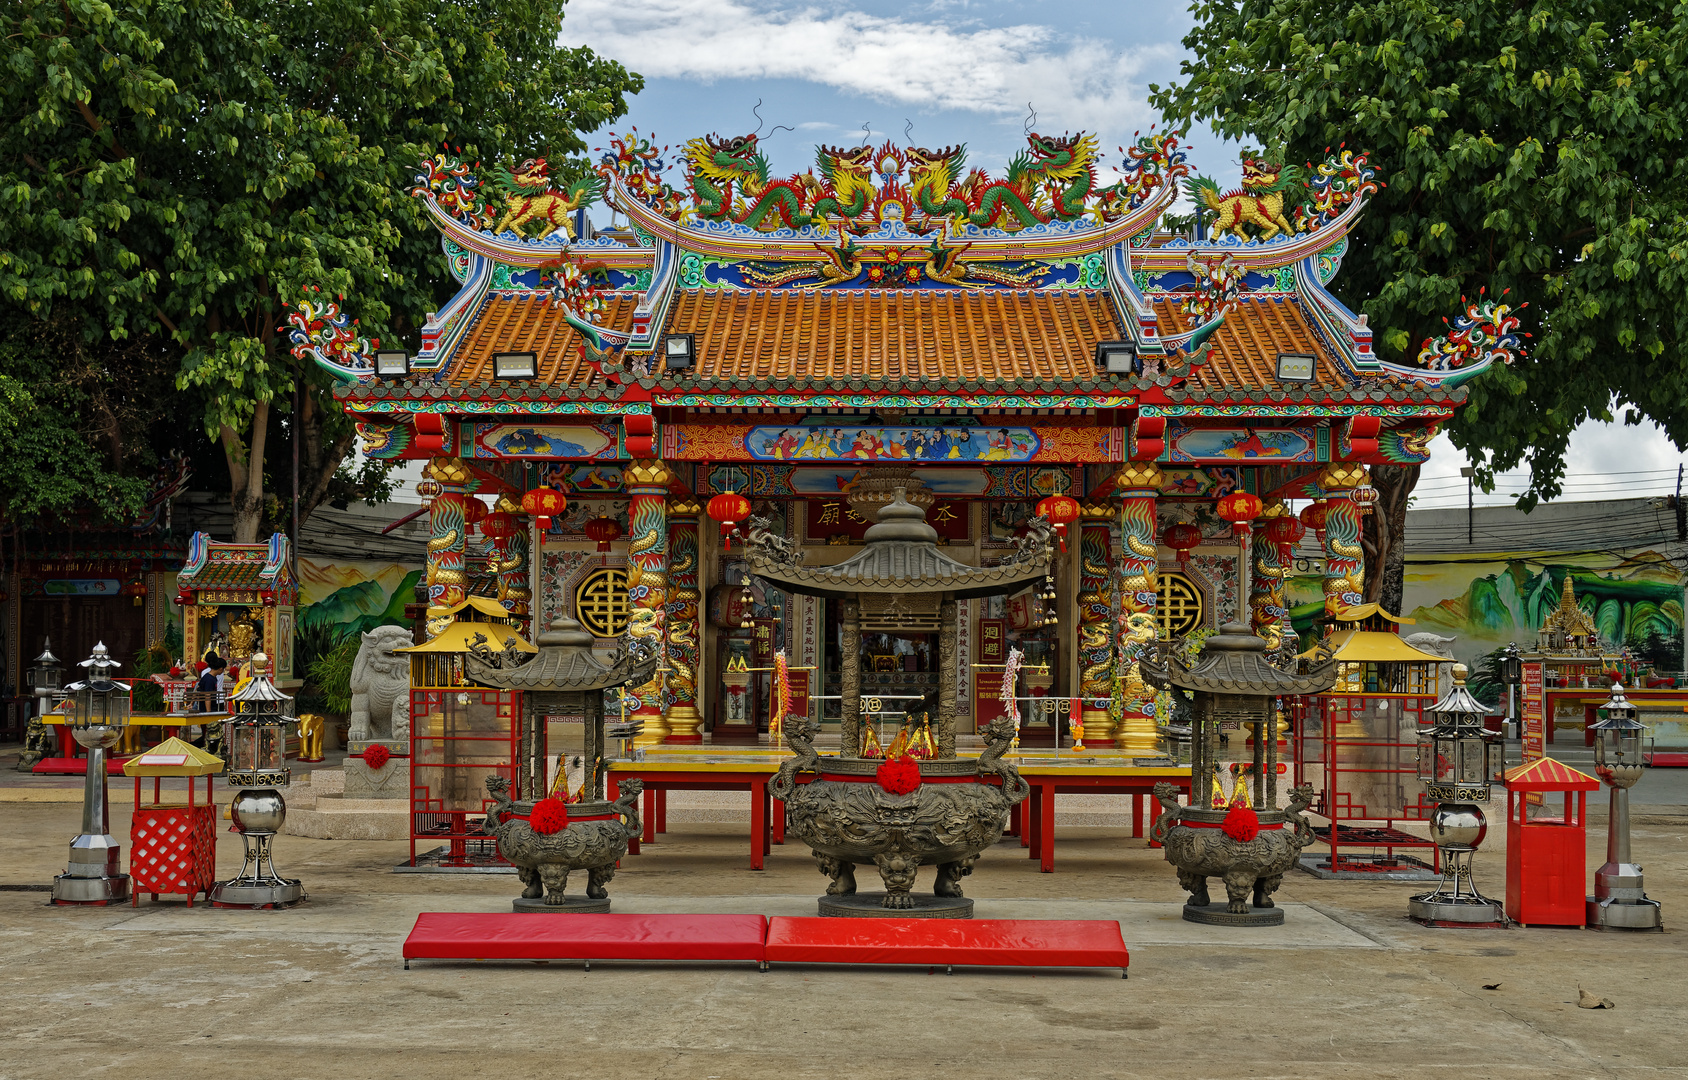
(1487, 599)
(338, 599)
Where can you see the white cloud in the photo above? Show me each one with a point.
(991, 70)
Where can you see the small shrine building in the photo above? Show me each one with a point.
(890, 318)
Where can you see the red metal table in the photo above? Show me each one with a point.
(767, 815)
(1047, 781)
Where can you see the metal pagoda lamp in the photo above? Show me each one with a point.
(254, 745)
(45, 679)
(1621, 749)
(99, 716)
(1457, 760)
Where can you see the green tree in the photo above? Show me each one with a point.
(1531, 147)
(177, 171)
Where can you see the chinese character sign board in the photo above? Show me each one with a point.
(1535, 729)
(762, 641)
(993, 641)
(829, 518)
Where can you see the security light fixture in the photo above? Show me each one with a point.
(679, 351)
(1295, 367)
(515, 365)
(394, 364)
(1117, 358)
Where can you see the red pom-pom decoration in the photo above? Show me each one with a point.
(1241, 824)
(899, 776)
(376, 755)
(549, 816)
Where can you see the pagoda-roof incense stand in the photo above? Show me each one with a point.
(1240, 837)
(565, 678)
(902, 813)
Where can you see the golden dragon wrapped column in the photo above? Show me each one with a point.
(1266, 598)
(510, 556)
(447, 577)
(647, 582)
(1095, 632)
(682, 628)
(1345, 574)
(1138, 483)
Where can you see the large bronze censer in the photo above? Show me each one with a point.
(1240, 837)
(899, 814)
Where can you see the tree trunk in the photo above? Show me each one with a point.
(1384, 533)
(246, 475)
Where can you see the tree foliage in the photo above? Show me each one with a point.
(1531, 147)
(176, 170)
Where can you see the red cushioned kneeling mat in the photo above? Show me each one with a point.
(982, 942)
(441, 935)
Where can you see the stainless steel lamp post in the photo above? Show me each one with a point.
(1621, 747)
(1457, 760)
(100, 715)
(254, 741)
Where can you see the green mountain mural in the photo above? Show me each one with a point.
(1626, 607)
(359, 607)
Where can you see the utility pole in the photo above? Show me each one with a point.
(1471, 506)
(1682, 561)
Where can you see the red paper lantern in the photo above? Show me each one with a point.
(1284, 532)
(604, 531)
(543, 504)
(501, 526)
(136, 588)
(1061, 511)
(1313, 516)
(1183, 538)
(474, 511)
(1240, 508)
(729, 509)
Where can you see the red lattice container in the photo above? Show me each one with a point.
(173, 849)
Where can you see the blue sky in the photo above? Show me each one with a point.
(963, 71)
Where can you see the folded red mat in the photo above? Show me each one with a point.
(981, 942)
(443, 935)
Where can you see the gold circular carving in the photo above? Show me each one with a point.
(600, 602)
(1179, 606)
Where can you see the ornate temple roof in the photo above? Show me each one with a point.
(899, 555)
(896, 277)
(1233, 661)
(235, 568)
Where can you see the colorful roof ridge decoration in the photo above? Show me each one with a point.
(219, 568)
(1546, 774)
(897, 277)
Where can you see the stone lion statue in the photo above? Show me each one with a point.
(381, 687)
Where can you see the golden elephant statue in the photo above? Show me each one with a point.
(310, 737)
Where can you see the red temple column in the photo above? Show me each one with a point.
(682, 629)
(647, 582)
(1138, 484)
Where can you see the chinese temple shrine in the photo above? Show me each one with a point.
(996, 347)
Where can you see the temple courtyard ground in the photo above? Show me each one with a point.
(1348, 987)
